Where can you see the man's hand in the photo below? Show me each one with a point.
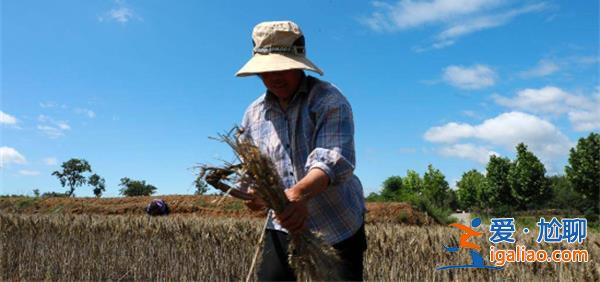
(293, 217)
(257, 203)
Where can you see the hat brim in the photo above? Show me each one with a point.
(260, 63)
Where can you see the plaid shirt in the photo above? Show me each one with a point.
(315, 131)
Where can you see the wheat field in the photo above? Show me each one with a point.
(134, 247)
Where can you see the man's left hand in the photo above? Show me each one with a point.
(293, 217)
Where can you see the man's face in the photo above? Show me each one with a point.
(282, 83)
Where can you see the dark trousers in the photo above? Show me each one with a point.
(275, 267)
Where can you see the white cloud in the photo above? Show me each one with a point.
(479, 154)
(409, 14)
(89, 113)
(10, 155)
(121, 14)
(456, 17)
(583, 111)
(507, 130)
(543, 68)
(479, 23)
(548, 99)
(587, 120)
(50, 161)
(29, 172)
(471, 78)
(7, 119)
(51, 128)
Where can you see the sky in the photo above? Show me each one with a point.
(136, 88)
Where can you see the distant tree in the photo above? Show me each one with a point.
(72, 174)
(36, 192)
(498, 188)
(470, 186)
(583, 171)
(54, 194)
(392, 187)
(528, 183)
(435, 187)
(413, 183)
(132, 188)
(563, 195)
(98, 184)
(201, 186)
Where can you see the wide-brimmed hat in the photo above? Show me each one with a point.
(278, 46)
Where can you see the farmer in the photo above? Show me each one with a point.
(305, 126)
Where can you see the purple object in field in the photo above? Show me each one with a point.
(157, 207)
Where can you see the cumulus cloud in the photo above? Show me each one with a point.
(27, 172)
(10, 155)
(470, 78)
(456, 17)
(543, 68)
(587, 120)
(7, 119)
(507, 130)
(583, 111)
(472, 152)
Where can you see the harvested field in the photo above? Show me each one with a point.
(191, 247)
(186, 205)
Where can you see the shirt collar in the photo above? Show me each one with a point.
(271, 100)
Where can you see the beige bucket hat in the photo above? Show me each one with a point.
(278, 46)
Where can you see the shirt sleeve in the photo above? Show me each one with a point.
(334, 140)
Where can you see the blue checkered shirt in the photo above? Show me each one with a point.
(315, 131)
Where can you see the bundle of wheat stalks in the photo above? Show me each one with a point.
(310, 257)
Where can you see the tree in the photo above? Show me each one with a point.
(72, 174)
(470, 187)
(132, 188)
(392, 187)
(436, 188)
(583, 171)
(528, 182)
(413, 183)
(563, 195)
(200, 185)
(36, 193)
(98, 183)
(498, 188)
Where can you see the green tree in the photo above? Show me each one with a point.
(98, 184)
(563, 195)
(36, 193)
(498, 188)
(528, 183)
(583, 171)
(72, 174)
(436, 188)
(200, 185)
(392, 187)
(132, 188)
(470, 187)
(413, 183)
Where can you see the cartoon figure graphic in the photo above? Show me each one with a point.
(476, 259)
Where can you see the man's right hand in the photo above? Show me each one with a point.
(256, 204)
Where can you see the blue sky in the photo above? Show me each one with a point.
(137, 87)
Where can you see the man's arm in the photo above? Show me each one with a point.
(296, 213)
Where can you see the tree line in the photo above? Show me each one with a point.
(78, 172)
(507, 185)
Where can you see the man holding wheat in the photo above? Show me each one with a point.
(305, 126)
